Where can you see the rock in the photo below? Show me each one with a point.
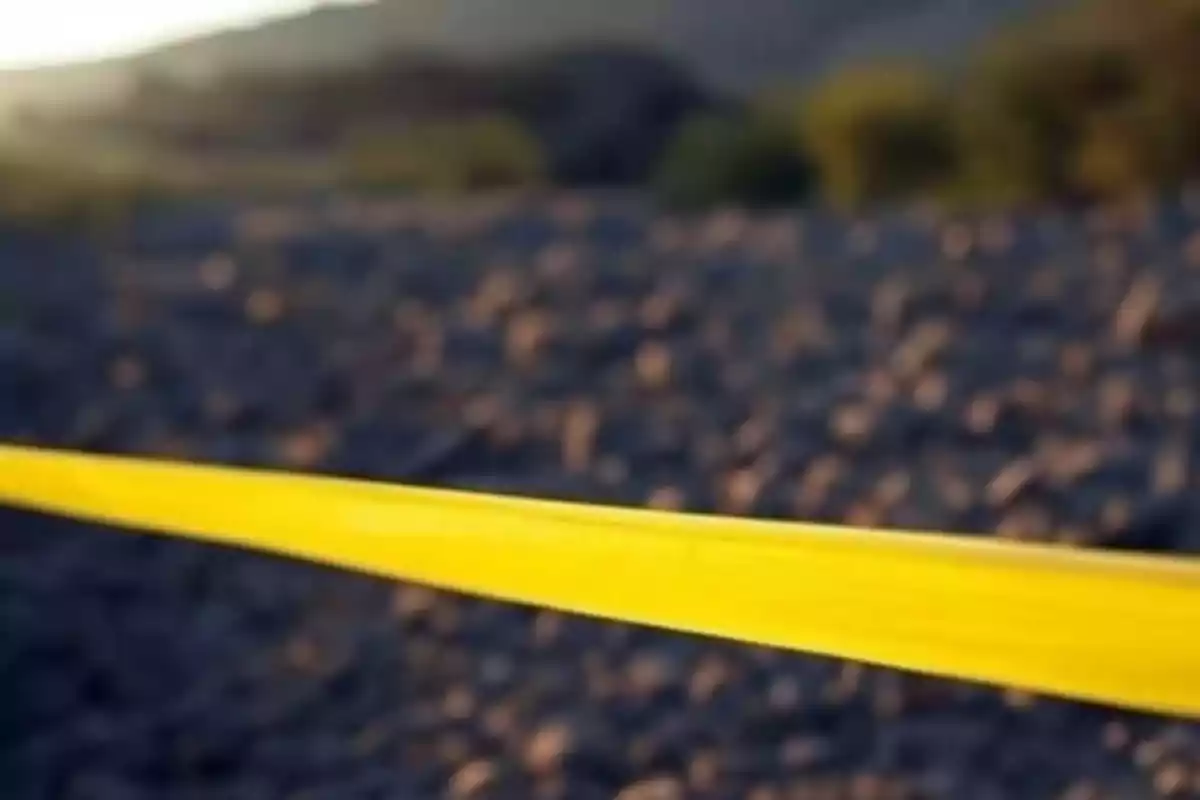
(1082, 790)
(579, 436)
(648, 673)
(1116, 736)
(741, 490)
(854, 424)
(1170, 476)
(707, 679)
(1171, 780)
(264, 306)
(802, 754)
(1010, 482)
(528, 334)
(667, 498)
(704, 772)
(472, 780)
(127, 374)
(653, 365)
(1029, 523)
(663, 788)
(459, 704)
(548, 747)
(1136, 311)
(218, 272)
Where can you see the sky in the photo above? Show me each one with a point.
(40, 32)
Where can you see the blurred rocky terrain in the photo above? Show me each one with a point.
(1031, 377)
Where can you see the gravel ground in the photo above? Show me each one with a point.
(1025, 378)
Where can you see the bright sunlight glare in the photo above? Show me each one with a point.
(43, 32)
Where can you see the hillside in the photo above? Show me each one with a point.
(731, 44)
(598, 114)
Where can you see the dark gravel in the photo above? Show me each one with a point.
(1027, 378)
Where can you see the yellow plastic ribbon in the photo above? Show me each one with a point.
(1113, 628)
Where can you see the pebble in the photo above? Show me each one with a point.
(664, 788)
(472, 780)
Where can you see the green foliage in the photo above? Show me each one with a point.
(1095, 103)
(1094, 106)
(446, 157)
(879, 133)
(753, 160)
(35, 192)
(1136, 148)
(1040, 121)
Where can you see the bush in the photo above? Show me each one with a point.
(753, 160)
(39, 194)
(1163, 40)
(1093, 106)
(1023, 113)
(446, 157)
(1133, 149)
(879, 133)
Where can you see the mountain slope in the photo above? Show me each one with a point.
(731, 44)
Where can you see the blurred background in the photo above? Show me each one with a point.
(920, 263)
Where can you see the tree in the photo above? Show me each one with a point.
(446, 156)
(753, 160)
(879, 133)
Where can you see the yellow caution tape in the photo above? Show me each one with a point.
(1118, 629)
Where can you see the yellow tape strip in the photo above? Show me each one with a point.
(1112, 628)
